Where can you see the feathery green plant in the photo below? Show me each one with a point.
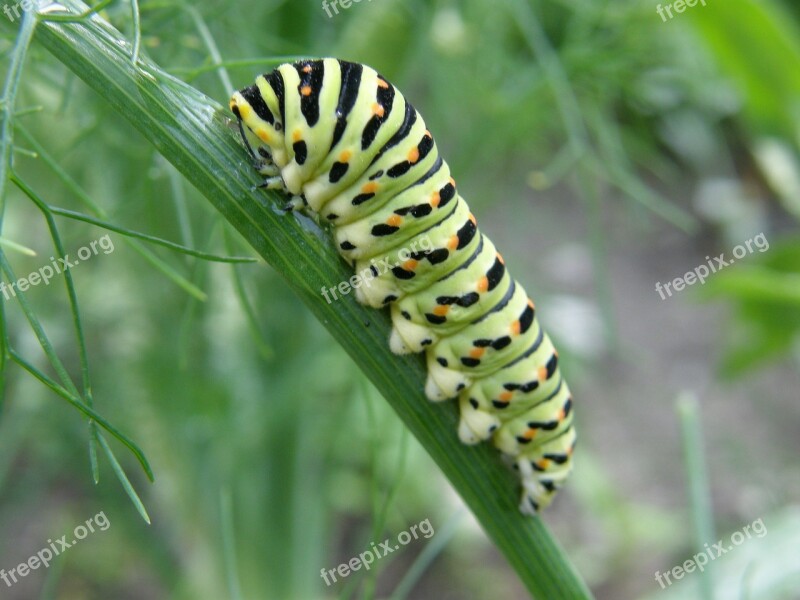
(192, 132)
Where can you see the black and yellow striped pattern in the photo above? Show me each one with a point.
(344, 143)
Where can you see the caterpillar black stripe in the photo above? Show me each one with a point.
(344, 143)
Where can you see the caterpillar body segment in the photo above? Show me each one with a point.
(346, 145)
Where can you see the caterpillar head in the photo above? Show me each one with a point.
(257, 109)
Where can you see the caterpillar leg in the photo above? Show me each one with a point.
(256, 161)
(408, 337)
(273, 183)
(267, 168)
(475, 425)
(295, 203)
(276, 182)
(544, 471)
(376, 292)
(262, 162)
(442, 382)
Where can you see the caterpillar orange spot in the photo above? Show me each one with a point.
(441, 311)
(477, 352)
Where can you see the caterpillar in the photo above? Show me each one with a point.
(345, 145)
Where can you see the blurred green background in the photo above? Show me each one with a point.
(603, 149)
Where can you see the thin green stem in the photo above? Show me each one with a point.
(229, 545)
(146, 253)
(697, 475)
(8, 101)
(68, 181)
(123, 479)
(192, 72)
(263, 345)
(179, 200)
(579, 142)
(137, 31)
(28, 111)
(68, 18)
(77, 216)
(76, 318)
(17, 247)
(70, 391)
(71, 294)
(88, 412)
(211, 46)
(38, 330)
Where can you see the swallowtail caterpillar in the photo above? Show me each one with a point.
(343, 142)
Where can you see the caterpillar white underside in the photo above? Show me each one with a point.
(344, 143)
